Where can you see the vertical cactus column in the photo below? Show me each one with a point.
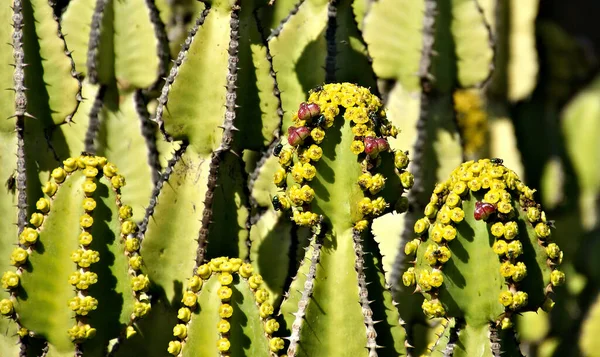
(337, 174)
(76, 223)
(483, 254)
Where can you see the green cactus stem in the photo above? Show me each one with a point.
(483, 213)
(345, 122)
(51, 240)
(219, 278)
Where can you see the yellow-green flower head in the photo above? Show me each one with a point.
(553, 251)
(6, 307)
(506, 323)
(506, 298)
(401, 160)
(433, 308)
(189, 299)
(10, 280)
(140, 283)
(285, 157)
(457, 215)
(89, 204)
(276, 344)
(236, 263)
(314, 152)
(504, 207)
(125, 212)
(365, 206)
(305, 219)
(507, 269)
(434, 199)
(519, 300)
(194, 283)
(442, 254)
(515, 249)
(520, 272)
(50, 188)
(130, 332)
(59, 174)
(265, 310)
(533, 214)
(298, 173)
(261, 295)
(542, 230)
(271, 326)
(117, 181)
(70, 164)
(226, 267)
(411, 247)
(85, 238)
(492, 196)
(408, 278)
(460, 187)
(308, 171)
(140, 309)
(500, 247)
(18, 256)
(359, 129)
(357, 147)
(224, 293)
(128, 227)
(180, 331)
(90, 172)
(317, 135)
(28, 237)
(379, 206)
(223, 326)
(443, 215)
(497, 229)
(421, 226)
(407, 179)
(89, 187)
(557, 278)
(423, 281)
(223, 344)
(449, 233)
(436, 278)
(225, 311)
(110, 170)
(474, 184)
(279, 177)
(174, 348)
(86, 221)
(225, 278)
(91, 161)
(437, 233)
(184, 314)
(132, 244)
(431, 211)
(255, 281)
(453, 200)
(135, 262)
(43, 205)
(361, 225)
(246, 270)
(511, 230)
(377, 183)
(364, 180)
(204, 271)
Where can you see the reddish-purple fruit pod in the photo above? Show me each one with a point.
(382, 144)
(303, 131)
(294, 138)
(314, 109)
(371, 146)
(483, 210)
(304, 111)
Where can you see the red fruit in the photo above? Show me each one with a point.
(294, 139)
(371, 146)
(314, 109)
(303, 131)
(303, 111)
(382, 144)
(296, 135)
(483, 210)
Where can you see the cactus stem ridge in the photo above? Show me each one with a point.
(440, 333)
(228, 125)
(363, 294)
(74, 73)
(418, 152)
(276, 31)
(453, 337)
(164, 95)
(148, 133)
(94, 43)
(160, 33)
(94, 124)
(492, 43)
(309, 284)
(163, 178)
(330, 34)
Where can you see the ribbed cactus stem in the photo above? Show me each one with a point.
(330, 37)
(94, 123)
(94, 42)
(363, 295)
(309, 286)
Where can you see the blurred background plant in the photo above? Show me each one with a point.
(430, 61)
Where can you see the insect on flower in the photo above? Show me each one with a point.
(496, 161)
(276, 204)
(277, 149)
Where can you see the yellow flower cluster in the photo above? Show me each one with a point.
(497, 186)
(224, 268)
(472, 120)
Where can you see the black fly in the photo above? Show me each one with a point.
(11, 183)
(496, 161)
(277, 149)
(276, 204)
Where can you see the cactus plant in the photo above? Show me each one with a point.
(273, 199)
